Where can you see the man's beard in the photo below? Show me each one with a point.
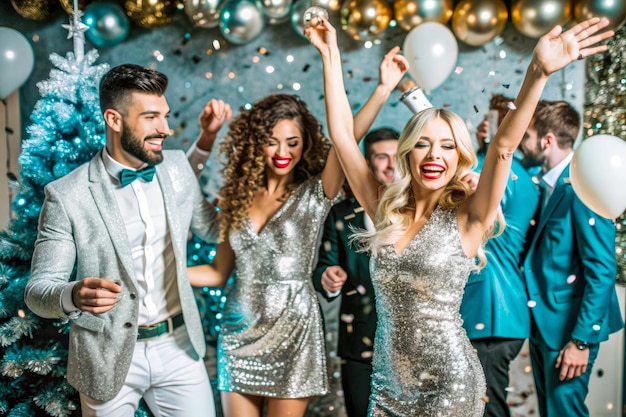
(134, 146)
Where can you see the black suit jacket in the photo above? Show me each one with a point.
(357, 324)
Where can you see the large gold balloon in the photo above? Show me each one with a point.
(476, 22)
(68, 5)
(535, 18)
(36, 9)
(364, 19)
(410, 13)
(613, 10)
(151, 13)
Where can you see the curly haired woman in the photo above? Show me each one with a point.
(280, 181)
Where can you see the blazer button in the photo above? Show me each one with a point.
(133, 296)
(128, 325)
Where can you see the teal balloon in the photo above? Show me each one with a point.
(241, 21)
(108, 24)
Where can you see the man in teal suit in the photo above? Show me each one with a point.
(341, 270)
(494, 308)
(570, 270)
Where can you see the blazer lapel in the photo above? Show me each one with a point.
(560, 190)
(165, 182)
(106, 204)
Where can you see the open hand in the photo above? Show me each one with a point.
(557, 49)
(392, 69)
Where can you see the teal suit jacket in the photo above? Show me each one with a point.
(357, 324)
(570, 271)
(495, 303)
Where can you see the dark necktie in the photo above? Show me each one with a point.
(128, 175)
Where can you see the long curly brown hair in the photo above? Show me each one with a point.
(245, 171)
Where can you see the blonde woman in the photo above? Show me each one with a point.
(430, 227)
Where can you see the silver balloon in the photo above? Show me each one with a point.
(314, 15)
(276, 11)
(241, 21)
(613, 10)
(298, 10)
(203, 13)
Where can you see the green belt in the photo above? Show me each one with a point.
(166, 326)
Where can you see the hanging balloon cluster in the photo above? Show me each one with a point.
(474, 22)
(430, 45)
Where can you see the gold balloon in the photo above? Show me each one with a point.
(68, 5)
(151, 13)
(364, 19)
(535, 18)
(333, 5)
(36, 9)
(411, 13)
(613, 10)
(476, 22)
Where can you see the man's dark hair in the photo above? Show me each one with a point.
(121, 81)
(559, 118)
(377, 135)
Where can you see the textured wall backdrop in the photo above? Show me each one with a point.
(280, 60)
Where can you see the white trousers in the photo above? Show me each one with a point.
(165, 374)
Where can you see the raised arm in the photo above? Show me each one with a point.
(391, 70)
(213, 116)
(217, 273)
(340, 120)
(553, 52)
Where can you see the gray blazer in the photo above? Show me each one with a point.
(80, 226)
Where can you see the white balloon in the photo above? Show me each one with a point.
(598, 172)
(432, 51)
(16, 61)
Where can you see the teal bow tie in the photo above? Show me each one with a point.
(128, 175)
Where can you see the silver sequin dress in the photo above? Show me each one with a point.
(271, 342)
(424, 364)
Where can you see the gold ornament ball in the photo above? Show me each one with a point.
(411, 13)
(364, 19)
(36, 9)
(535, 18)
(477, 22)
(614, 11)
(151, 14)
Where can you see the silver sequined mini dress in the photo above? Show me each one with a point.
(271, 341)
(424, 365)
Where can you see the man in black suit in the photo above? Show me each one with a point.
(341, 270)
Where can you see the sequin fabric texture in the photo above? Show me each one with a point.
(271, 342)
(424, 364)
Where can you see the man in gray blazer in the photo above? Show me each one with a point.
(111, 257)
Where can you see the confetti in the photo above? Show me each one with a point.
(458, 70)
(592, 221)
(571, 279)
(511, 106)
(531, 303)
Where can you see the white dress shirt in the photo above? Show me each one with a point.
(142, 208)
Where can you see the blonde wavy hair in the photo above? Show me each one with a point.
(395, 210)
(245, 171)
